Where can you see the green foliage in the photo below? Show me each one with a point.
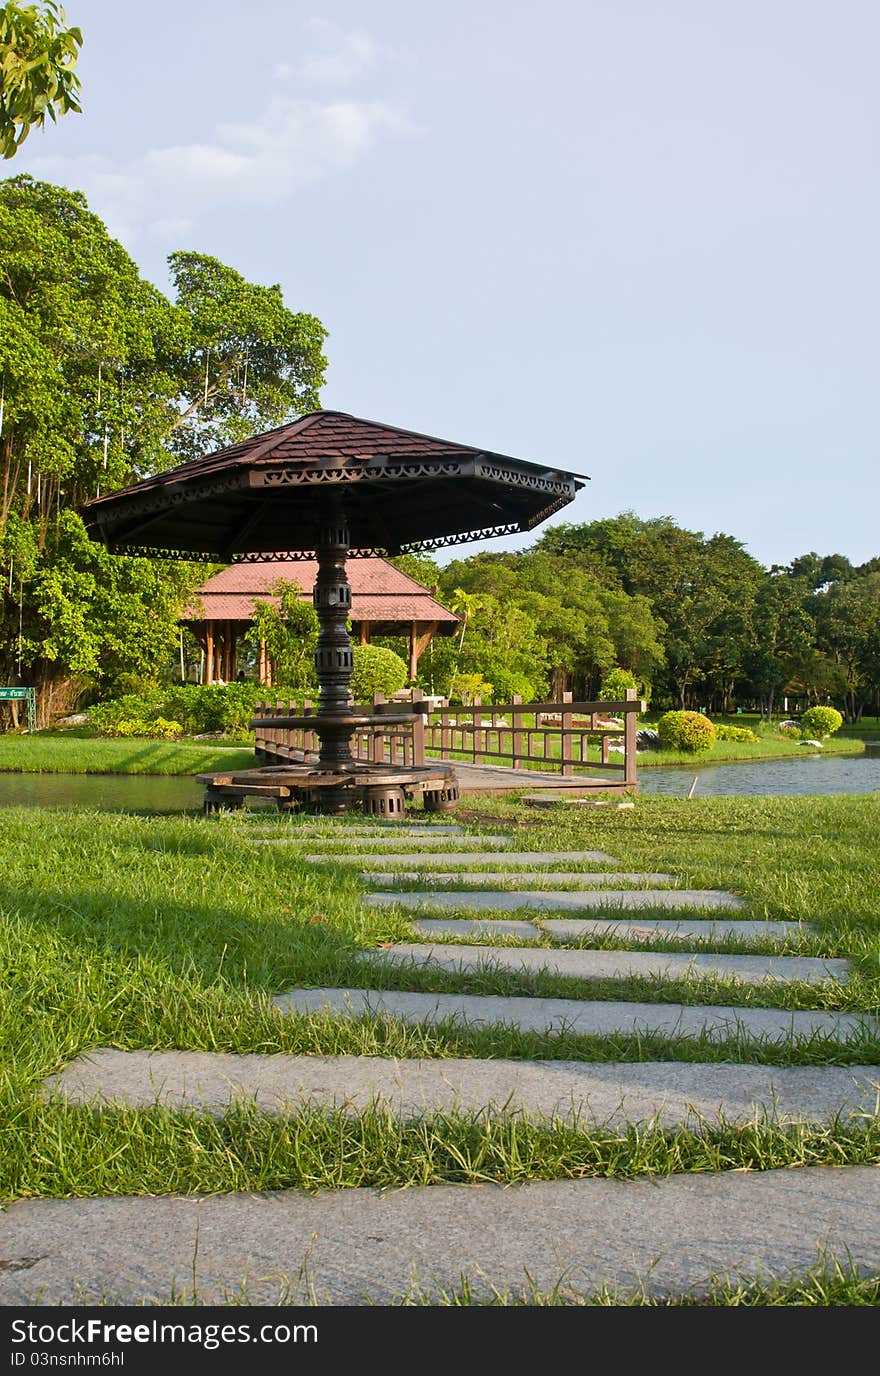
(159, 729)
(686, 731)
(288, 628)
(101, 389)
(820, 721)
(468, 687)
(248, 363)
(38, 56)
(735, 733)
(376, 670)
(421, 567)
(614, 685)
(198, 709)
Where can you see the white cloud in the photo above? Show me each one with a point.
(262, 162)
(345, 57)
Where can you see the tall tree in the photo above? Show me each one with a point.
(38, 55)
(96, 370)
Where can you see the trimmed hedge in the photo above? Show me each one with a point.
(686, 731)
(820, 721)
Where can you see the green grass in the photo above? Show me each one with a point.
(175, 932)
(54, 754)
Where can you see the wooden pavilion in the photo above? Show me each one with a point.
(384, 601)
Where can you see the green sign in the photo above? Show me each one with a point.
(21, 693)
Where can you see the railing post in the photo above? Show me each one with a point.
(445, 734)
(565, 746)
(418, 729)
(630, 765)
(516, 739)
(478, 721)
(377, 744)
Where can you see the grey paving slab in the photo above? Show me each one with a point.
(585, 964)
(575, 879)
(690, 929)
(294, 832)
(509, 900)
(360, 1246)
(669, 1092)
(410, 847)
(585, 1017)
(701, 930)
(476, 926)
(462, 857)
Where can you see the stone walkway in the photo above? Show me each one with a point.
(357, 1246)
(361, 1246)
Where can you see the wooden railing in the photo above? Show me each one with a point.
(397, 743)
(561, 736)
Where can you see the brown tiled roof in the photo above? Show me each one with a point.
(275, 492)
(320, 435)
(380, 593)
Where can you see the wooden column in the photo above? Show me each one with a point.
(365, 632)
(420, 635)
(209, 653)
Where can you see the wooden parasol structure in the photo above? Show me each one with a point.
(330, 486)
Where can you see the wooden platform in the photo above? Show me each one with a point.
(379, 789)
(480, 778)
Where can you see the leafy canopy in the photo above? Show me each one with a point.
(38, 56)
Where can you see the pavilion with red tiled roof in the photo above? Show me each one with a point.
(384, 601)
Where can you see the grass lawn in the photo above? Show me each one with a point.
(174, 932)
(53, 753)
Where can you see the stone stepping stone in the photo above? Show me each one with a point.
(298, 833)
(410, 855)
(670, 1092)
(475, 926)
(463, 857)
(583, 964)
(701, 930)
(507, 900)
(369, 1246)
(585, 1017)
(576, 879)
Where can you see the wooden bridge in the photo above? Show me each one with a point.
(590, 746)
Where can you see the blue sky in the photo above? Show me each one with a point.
(636, 239)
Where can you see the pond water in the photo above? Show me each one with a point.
(153, 793)
(112, 792)
(812, 774)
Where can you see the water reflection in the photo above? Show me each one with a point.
(774, 778)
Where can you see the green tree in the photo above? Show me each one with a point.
(848, 620)
(248, 365)
(288, 627)
(38, 55)
(94, 369)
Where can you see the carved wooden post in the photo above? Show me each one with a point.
(333, 657)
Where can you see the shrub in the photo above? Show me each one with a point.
(376, 670)
(198, 709)
(466, 687)
(735, 733)
(821, 722)
(159, 730)
(686, 731)
(508, 684)
(615, 683)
